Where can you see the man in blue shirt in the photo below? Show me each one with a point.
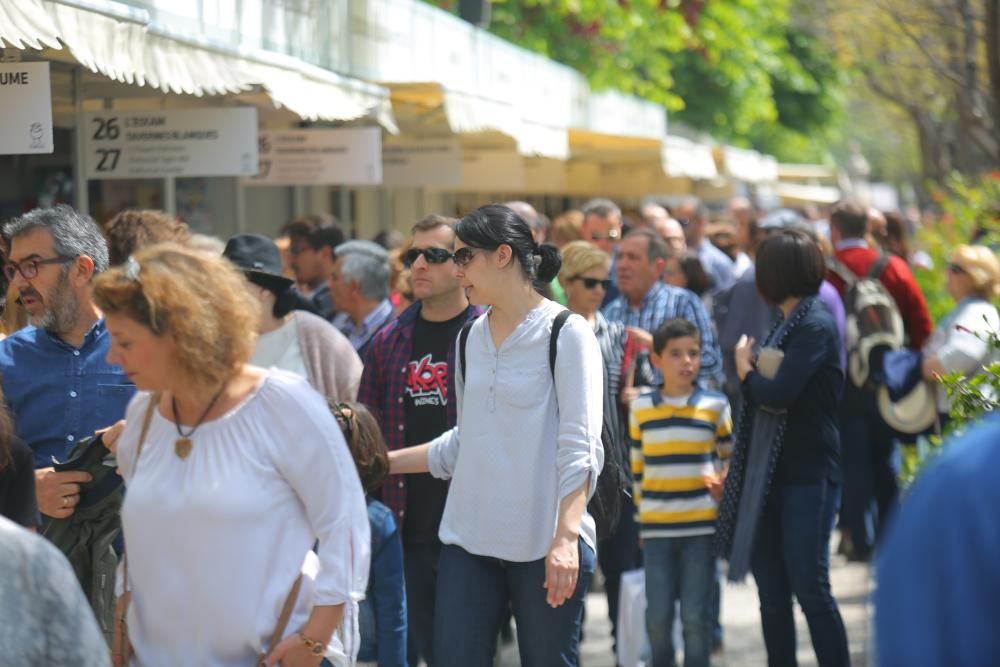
(645, 302)
(58, 385)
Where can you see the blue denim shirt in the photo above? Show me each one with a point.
(57, 393)
(383, 611)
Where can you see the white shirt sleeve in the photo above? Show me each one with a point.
(313, 457)
(579, 385)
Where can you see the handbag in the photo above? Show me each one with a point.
(125, 646)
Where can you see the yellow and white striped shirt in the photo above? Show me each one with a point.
(674, 443)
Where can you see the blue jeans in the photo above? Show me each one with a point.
(868, 448)
(473, 593)
(680, 568)
(792, 556)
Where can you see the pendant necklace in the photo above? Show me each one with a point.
(183, 444)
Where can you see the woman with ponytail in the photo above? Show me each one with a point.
(523, 459)
(289, 335)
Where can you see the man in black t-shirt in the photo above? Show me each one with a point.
(409, 383)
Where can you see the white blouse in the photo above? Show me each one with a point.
(215, 541)
(280, 348)
(959, 341)
(523, 442)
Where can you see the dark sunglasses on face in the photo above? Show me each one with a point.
(955, 268)
(29, 267)
(591, 283)
(464, 255)
(432, 255)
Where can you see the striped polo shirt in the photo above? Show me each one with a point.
(674, 443)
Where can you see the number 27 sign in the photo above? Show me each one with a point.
(157, 144)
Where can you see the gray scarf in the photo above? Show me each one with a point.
(759, 438)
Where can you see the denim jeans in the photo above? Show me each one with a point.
(421, 562)
(792, 557)
(473, 593)
(680, 568)
(868, 448)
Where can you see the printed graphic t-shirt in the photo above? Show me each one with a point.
(426, 403)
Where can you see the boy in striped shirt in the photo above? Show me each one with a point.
(681, 437)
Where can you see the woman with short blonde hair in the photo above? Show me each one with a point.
(233, 473)
(959, 342)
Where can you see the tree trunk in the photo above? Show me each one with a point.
(992, 36)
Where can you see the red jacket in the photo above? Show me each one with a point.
(900, 283)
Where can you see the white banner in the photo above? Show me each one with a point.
(26, 109)
(424, 163)
(157, 144)
(348, 156)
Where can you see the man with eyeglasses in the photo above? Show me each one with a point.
(58, 384)
(409, 384)
(312, 242)
(602, 227)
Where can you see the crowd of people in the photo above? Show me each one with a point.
(346, 452)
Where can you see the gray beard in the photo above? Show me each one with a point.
(63, 309)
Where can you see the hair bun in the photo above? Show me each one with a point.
(550, 262)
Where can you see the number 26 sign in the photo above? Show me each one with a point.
(157, 144)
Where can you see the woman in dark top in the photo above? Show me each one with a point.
(779, 522)
(17, 474)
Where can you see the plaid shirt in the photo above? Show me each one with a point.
(663, 302)
(383, 390)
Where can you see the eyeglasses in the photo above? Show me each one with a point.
(432, 255)
(591, 283)
(464, 255)
(957, 269)
(612, 235)
(29, 267)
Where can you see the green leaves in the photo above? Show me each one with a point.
(735, 68)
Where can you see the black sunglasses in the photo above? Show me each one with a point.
(591, 283)
(956, 268)
(432, 255)
(464, 255)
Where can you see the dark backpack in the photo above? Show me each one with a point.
(613, 482)
(873, 322)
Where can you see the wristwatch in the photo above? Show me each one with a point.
(315, 648)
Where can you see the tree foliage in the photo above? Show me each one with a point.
(738, 69)
(935, 60)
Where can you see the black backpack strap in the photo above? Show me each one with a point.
(463, 337)
(875, 273)
(557, 325)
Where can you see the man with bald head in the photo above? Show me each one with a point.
(651, 214)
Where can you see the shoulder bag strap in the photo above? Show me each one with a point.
(463, 338)
(286, 613)
(557, 325)
(125, 646)
(842, 272)
(875, 273)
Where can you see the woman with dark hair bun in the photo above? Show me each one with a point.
(523, 459)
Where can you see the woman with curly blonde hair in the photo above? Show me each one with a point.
(233, 474)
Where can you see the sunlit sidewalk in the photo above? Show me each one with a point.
(744, 645)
